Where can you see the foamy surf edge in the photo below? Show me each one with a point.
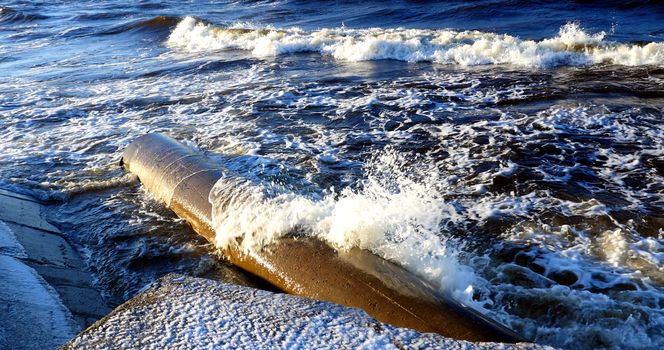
(571, 47)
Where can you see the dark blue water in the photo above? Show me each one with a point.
(511, 152)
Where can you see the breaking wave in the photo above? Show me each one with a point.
(392, 214)
(572, 47)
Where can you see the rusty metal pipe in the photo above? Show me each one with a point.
(183, 177)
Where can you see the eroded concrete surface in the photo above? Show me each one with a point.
(178, 312)
(46, 295)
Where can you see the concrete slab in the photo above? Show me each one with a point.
(26, 212)
(83, 301)
(46, 247)
(62, 276)
(9, 245)
(76, 291)
(46, 294)
(179, 312)
(7, 193)
(32, 316)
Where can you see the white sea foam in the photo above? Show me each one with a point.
(609, 287)
(392, 215)
(219, 109)
(572, 47)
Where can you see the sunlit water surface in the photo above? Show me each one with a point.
(518, 166)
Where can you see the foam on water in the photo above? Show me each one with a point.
(604, 288)
(572, 46)
(563, 280)
(569, 259)
(503, 162)
(391, 214)
(551, 178)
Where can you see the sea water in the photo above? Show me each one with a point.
(511, 153)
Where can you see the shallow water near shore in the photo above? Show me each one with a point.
(517, 167)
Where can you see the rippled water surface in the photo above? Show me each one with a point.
(509, 152)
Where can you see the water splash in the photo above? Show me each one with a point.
(396, 213)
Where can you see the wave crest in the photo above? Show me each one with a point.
(572, 46)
